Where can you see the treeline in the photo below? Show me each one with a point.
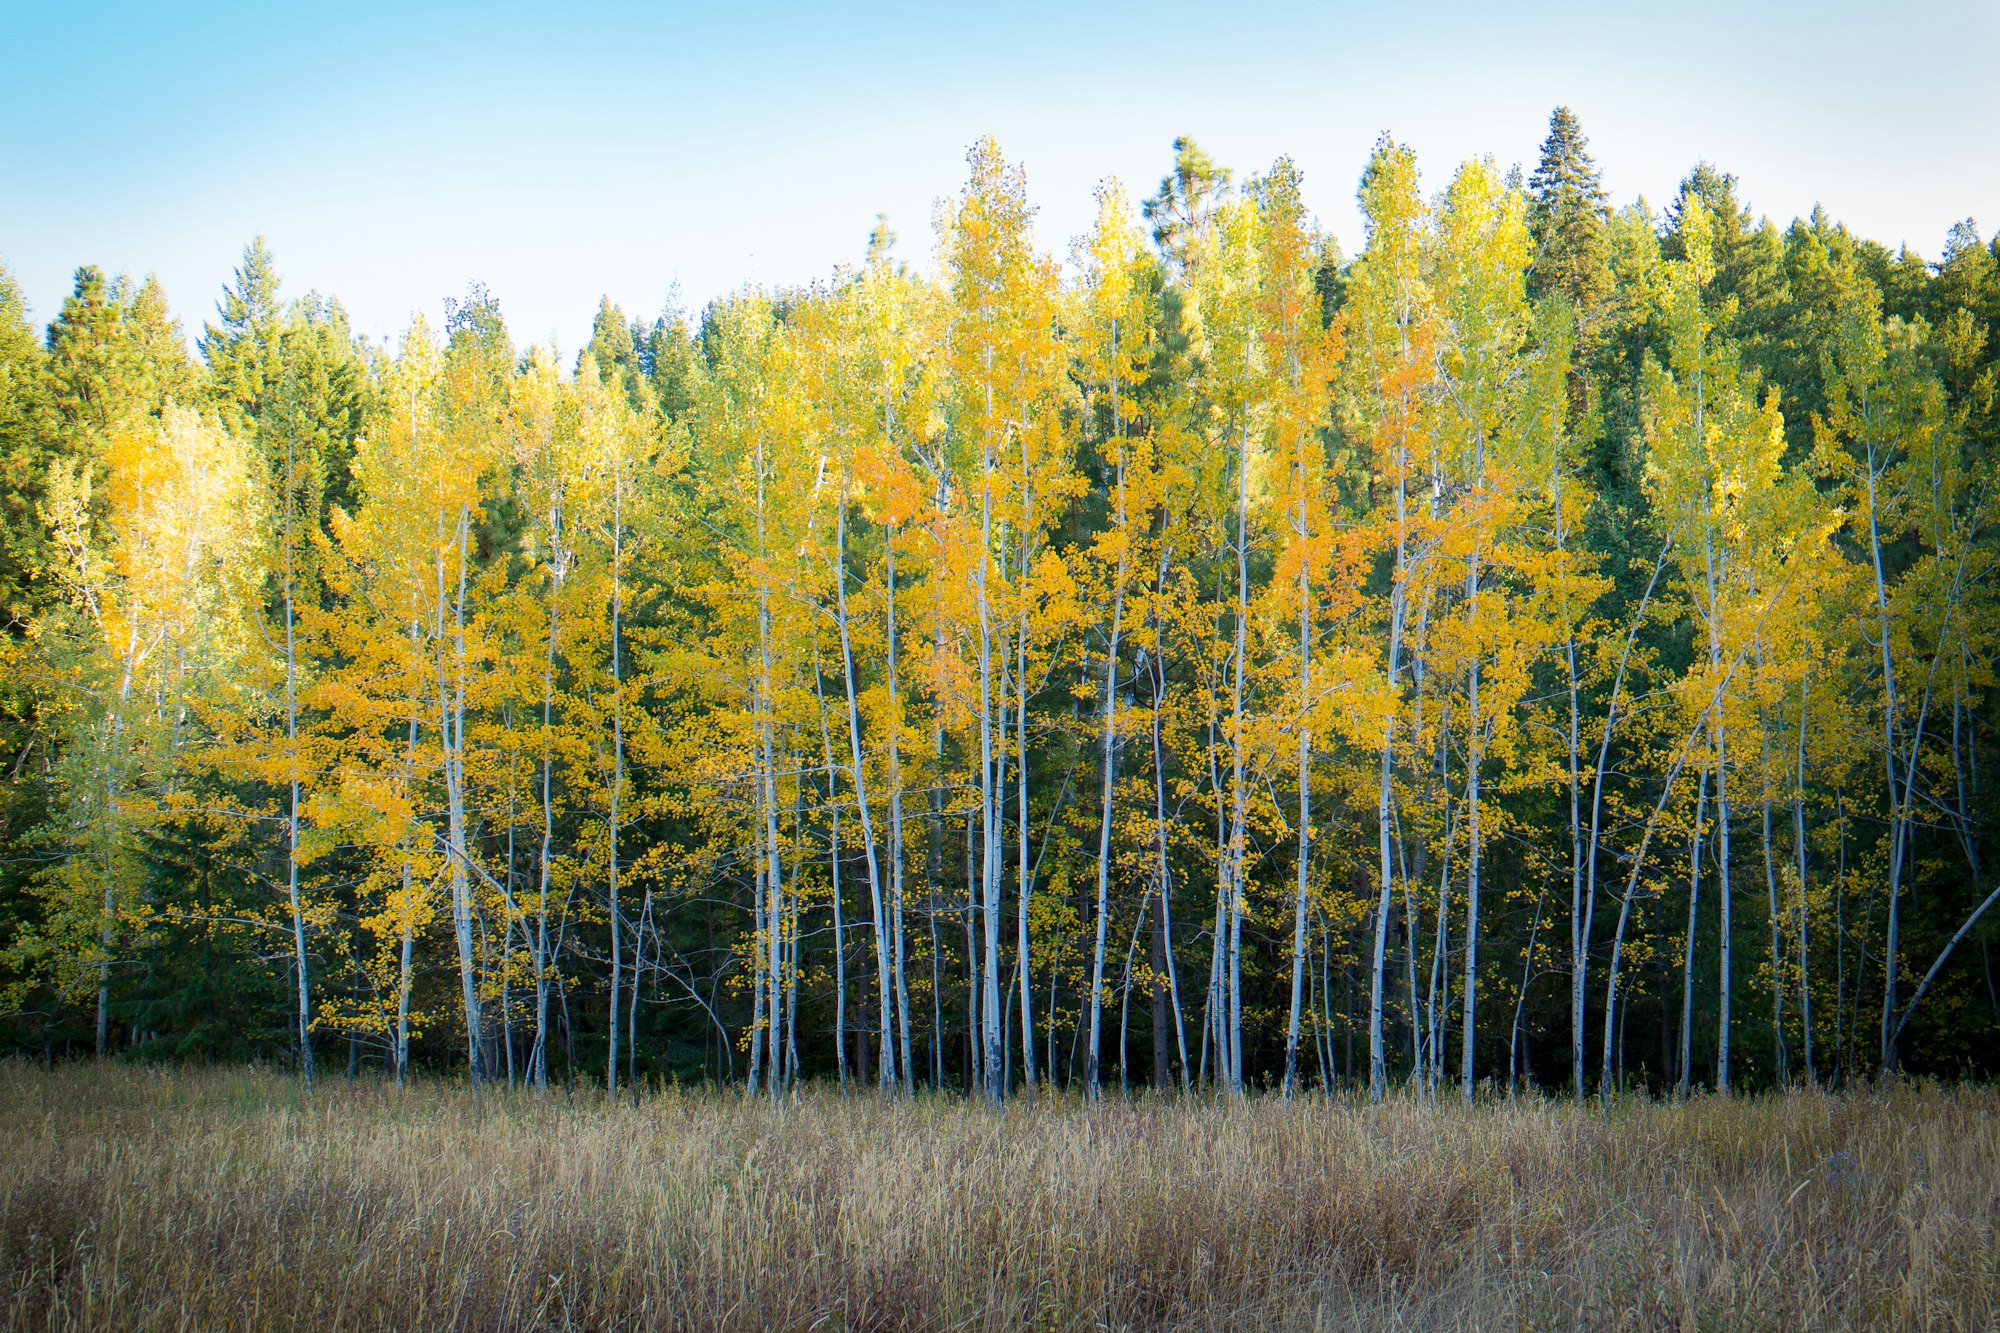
(1554, 644)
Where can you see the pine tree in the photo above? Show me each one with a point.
(242, 351)
(1568, 217)
(673, 362)
(115, 352)
(613, 351)
(29, 440)
(1185, 205)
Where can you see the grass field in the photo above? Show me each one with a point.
(132, 1198)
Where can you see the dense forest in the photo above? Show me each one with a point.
(1552, 646)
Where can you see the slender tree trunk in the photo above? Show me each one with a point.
(632, 994)
(1157, 1003)
(1579, 933)
(1378, 1069)
(975, 974)
(1723, 895)
(1923, 987)
(1439, 1001)
(794, 945)
(833, 875)
(1305, 804)
(1843, 1047)
(1694, 917)
(1414, 864)
(758, 927)
(896, 848)
(1091, 1050)
(1799, 847)
(507, 922)
(109, 910)
(774, 913)
(1125, 995)
(1024, 866)
(1521, 996)
(538, 1060)
(1771, 893)
(451, 707)
(883, 1005)
(1611, 1024)
(1212, 1016)
(1164, 931)
(617, 750)
(292, 819)
(1238, 835)
(405, 974)
(108, 921)
(1213, 919)
(934, 868)
(1580, 940)
(1724, 928)
(774, 866)
(1890, 703)
(989, 812)
(1474, 761)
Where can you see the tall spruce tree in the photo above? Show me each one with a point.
(672, 361)
(1568, 216)
(28, 440)
(242, 350)
(614, 349)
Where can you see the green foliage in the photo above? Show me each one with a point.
(1567, 216)
(1409, 542)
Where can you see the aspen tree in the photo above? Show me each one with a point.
(999, 350)
(885, 1007)
(1299, 355)
(379, 574)
(1886, 436)
(608, 448)
(1223, 275)
(463, 450)
(861, 360)
(299, 486)
(1714, 462)
(1163, 931)
(1483, 252)
(152, 592)
(1857, 410)
(1113, 351)
(1389, 336)
(764, 473)
(419, 473)
(618, 736)
(551, 463)
(1789, 568)
(750, 433)
(897, 352)
(1640, 266)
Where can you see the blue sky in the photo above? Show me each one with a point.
(393, 153)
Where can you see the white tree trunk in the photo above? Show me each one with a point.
(884, 1006)
(1091, 1050)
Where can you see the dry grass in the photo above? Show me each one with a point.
(209, 1200)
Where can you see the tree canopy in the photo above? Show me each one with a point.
(1552, 644)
